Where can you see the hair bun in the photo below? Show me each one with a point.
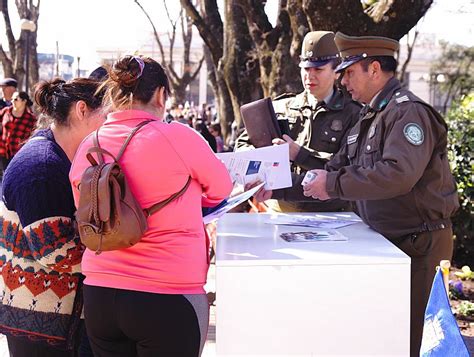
(126, 72)
(44, 92)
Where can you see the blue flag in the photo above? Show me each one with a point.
(441, 336)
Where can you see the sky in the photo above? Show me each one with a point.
(82, 26)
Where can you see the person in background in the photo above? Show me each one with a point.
(149, 300)
(319, 119)
(215, 130)
(203, 114)
(395, 166)
(202, 129)
(40, 251)
(8, 86)
(18, 122)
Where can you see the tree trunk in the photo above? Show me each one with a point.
(251, 58)
(348, 16)
(14, 62)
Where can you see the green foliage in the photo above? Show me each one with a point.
(466, 308)
(456, 68)
(465, 274)
(460, 120)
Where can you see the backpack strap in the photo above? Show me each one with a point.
(157, 206)
(130, 136)
(100, 152)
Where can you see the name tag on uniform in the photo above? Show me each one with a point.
(351, 139)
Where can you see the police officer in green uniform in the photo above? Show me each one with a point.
(394, 166)
(319, 119)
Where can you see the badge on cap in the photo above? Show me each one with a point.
(336, 125)
(414, 134)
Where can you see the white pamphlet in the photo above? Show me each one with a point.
(269, 164)
(313, 236)
(231, 203)
(310, 221)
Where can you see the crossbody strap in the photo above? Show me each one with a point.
(157, 206)
(100, 152)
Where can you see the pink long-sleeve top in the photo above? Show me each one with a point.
(172, 257)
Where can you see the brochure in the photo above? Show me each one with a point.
(313, 236)
(270, 164)
(231, 203)
(309, 221)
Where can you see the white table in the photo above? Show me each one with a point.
(316, 299)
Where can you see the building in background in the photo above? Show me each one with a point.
(52, 66)
(199, 91)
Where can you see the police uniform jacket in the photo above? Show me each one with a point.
(395, 166)
(320, 129)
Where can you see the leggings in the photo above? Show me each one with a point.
(134, 323)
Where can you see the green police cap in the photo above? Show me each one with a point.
(353, 49)
(318, 49)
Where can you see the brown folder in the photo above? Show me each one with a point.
(261, 122)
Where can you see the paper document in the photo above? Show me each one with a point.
(270, 164)
(310, 221)
(316, 236)
(231, 203)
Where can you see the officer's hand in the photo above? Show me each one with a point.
(262, 194)
(317, 187)
(293, 146)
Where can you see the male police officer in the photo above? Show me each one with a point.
(319, 119)
(8, 86)
(395, 166)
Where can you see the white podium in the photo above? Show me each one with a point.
(342, 298)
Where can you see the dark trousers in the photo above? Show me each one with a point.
(426, 250)
(20, 347)
(125, 323)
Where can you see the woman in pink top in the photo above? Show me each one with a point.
(148, 300)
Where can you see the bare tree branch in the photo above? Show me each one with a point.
(8, 30)
(410, 47)
(198, 68)
(155, 33)
(214, 44)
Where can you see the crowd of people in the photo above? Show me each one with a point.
(374, 146)
(204, 121)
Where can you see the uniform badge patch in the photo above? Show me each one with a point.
(414, 134)
(306, 112)
(372, 131)
(402, 99)
(351, 139)
(336, 125)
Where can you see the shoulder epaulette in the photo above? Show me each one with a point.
(401, 97)
(284, 96)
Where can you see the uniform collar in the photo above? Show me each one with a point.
(380, 100)
(337, 100)
(129, 115)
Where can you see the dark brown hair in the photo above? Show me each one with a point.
(54, 98)
(134, 78)
(24, 96)
(387, 63)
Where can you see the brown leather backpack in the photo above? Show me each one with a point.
(109, 217)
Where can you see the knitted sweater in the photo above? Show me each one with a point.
(39, 252)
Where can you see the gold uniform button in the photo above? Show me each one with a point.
(368, 147)
(333, 139)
